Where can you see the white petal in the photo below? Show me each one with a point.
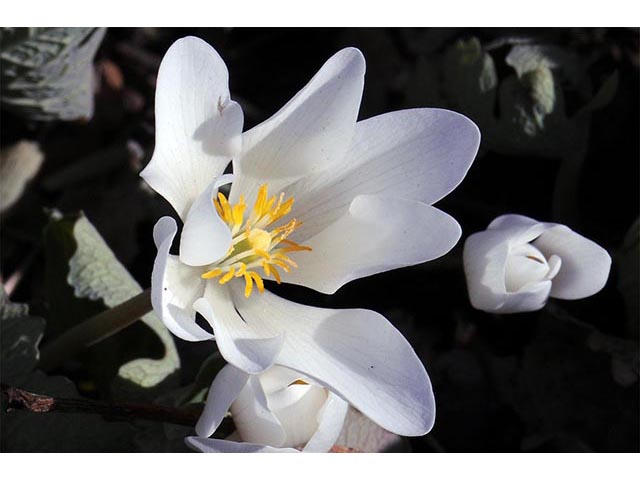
(356, 353)
(296, 407)
(175, 286)
(214, 445)
(277, 378)
(512, 221)
(525, 265)
(585, 264)
(555, 263)
(205, 237)
(198, 126)
(419, 155)
(518, 229)
(485, 256)
(239, 343)
(225, 388)
(330, 422)
(377, 234)
(310, 133)
(528, 299)
(253, 417)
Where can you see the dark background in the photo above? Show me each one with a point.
(562, 379)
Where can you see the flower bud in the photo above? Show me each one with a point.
(518, 263)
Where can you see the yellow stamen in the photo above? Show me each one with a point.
(248, 288)
(242, 270)
(260, 200)
(263, 254)
(212, 273)
(254, 244)
(256, 278)
(282, 265)
(226, 209)
(238, 212)
(276, 276)
(227, 276)
(298, 382)
(218, 208)
(294, 247)
(266, 268)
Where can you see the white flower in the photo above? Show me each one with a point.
(363, 193)
(278, 410)
(518, 262)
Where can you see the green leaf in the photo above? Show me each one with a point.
(84, 277)
(520, 112)
(47, 73)
(470, 80)
(23, 431)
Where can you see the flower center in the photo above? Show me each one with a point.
(255, 244)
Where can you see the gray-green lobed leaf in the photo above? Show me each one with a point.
(95, 273)
(83, 277)
(47, 73)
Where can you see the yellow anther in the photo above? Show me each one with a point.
(226, 209)
(276, 275)
(298, 382)
(238, 212)
(269, 205)
(227, 276)
(281, 264)
(248, 287)
(242, 270)
(218, 208)
(256, 278)
(266, 268)
(211, 273)
(294, 247)
(280, 211)
(254, 245)
(258, 207)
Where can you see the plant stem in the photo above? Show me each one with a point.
(93, 330)
(22, 400)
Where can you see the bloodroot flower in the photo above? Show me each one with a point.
(518, 262)
(316, 199)
(273, 412)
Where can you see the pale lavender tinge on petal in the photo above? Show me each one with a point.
(357, 353)
(377, 234)
(224, 390)
(254, 418)
(585, 264)
(242, 344)
(205, 237)
(214, 445)
(419, 155)
(330, 421)
(175, 286)
(310, 133)
(198, 126)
